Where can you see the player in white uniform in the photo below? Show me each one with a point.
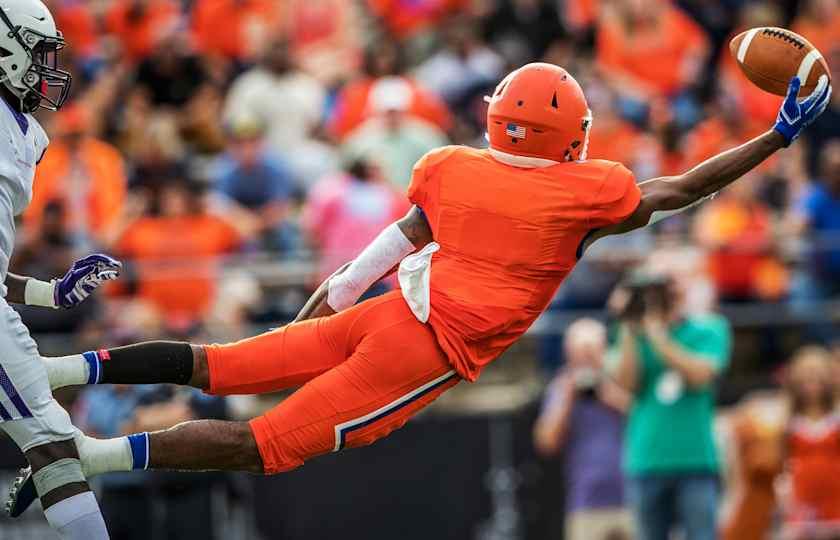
(30, 79)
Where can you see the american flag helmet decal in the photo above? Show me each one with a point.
(515, 130)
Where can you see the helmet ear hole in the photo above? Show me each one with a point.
(5, 52)
(554, 101)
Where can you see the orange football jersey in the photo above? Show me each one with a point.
(508, 236)
(813, 452)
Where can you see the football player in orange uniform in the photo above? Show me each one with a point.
(490, 237)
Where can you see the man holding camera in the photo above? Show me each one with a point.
(668, 361)
(578, 398)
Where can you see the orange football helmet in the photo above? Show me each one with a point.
(539, 111)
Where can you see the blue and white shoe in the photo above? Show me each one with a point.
(22, 493)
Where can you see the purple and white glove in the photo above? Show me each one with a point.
(85, 276)
(795, 115)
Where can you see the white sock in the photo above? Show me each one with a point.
(67, 370)
(109, 455)
(77, 518)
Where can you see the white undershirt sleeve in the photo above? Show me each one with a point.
(386, 250)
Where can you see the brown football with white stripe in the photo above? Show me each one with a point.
(770, 57)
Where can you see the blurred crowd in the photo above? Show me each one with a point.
(204, 136)
(235, 152)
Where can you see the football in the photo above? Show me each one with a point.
(770, 57)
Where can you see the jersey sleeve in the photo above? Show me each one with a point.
(418, 188)
(617, 198)
(424, 188)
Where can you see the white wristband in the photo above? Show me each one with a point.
(39, 293)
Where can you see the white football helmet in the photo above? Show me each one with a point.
(29, 45)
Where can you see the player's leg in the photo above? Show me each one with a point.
(285, 357)
(43, 431)
(56, 478)
(282, 358)
(388, 380)
(395, 371)
(152, 362)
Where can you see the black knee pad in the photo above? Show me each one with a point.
(149, 363)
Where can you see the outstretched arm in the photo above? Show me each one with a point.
(665, 196)
(379, 259)
(77, 284)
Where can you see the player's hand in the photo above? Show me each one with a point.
(84, 277)
(795, 115)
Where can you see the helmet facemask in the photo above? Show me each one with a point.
(586, 126)
(42, 84)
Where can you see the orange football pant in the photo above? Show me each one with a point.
(365, 372)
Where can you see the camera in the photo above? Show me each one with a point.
(648, 292)
(586, 381)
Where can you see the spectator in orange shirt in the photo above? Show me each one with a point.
(325, 36)
(819, 23)
(725, 126)
(650, 50)
(383, 60)
(138, 24)
(175, 249)
(754, 461)
(78, 25)
(719, 131)
(581, 15)
(611, 136)
(235, 29)
(736, 228)
(85, 174)
(406, 18)
(813, 449)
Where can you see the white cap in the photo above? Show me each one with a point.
(390, 94)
